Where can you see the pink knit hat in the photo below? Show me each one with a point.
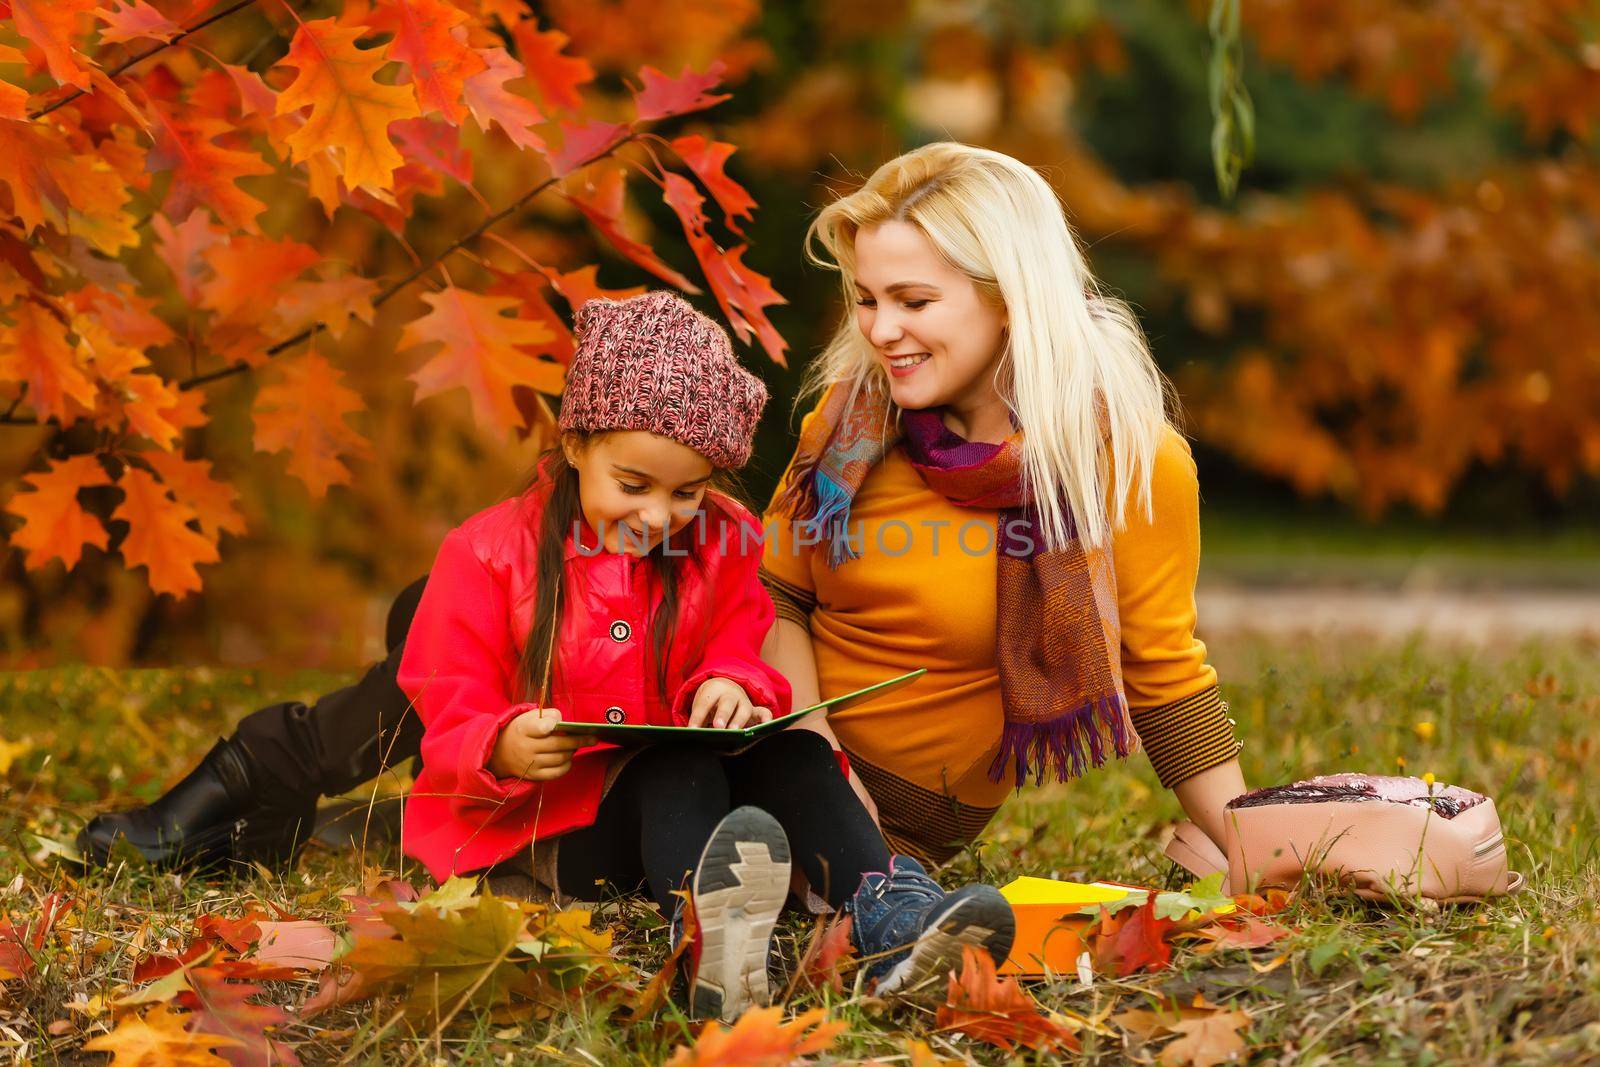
(654, 363)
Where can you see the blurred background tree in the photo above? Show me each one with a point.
(1397, 316)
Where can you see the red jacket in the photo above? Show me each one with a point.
(466, 640)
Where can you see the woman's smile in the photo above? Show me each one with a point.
(902, 366)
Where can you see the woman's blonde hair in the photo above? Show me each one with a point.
(1075, 370)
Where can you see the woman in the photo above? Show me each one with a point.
(974, 316)
(990, 488)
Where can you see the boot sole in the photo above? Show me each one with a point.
(978, 916)
(739, 888)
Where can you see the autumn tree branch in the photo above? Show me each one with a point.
(389, 291)
(142, 56)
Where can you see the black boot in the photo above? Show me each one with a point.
(220, 812)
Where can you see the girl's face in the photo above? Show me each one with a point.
(636, 488)
(936, 335)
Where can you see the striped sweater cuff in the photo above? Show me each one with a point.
(790, 601)
(1187, 736)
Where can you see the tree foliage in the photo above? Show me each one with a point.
(200, 198)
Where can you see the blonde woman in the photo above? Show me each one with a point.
(989, 487)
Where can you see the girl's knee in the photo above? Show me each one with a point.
(794, 748)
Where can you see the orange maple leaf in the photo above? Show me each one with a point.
(426, 41)
(304, 415)
(481, 353)
(984, 1006)
(36, 351)
(51, 25)
(350, 109)
(159, 537)
(55, 526)
(160, 1038)
(760, 1038)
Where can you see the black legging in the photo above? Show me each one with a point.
(661, 810)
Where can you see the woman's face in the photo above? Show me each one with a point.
(936, 336)
(637, 488)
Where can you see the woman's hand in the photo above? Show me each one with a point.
(529, 747)
(724, 704)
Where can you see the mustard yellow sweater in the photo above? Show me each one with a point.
(923, 594)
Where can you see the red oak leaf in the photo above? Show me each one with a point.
(601, 202)
(585, 142)
(660, 96)
(427, 40)
(159, 538)
(707, 159)
(557, 76)
(486, 94)
(128, 20)
(989, 1008)
(350, 110)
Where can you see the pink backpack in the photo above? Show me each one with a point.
(1385, 837)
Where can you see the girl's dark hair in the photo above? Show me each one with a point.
(562, 510)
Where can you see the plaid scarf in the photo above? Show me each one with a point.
(1058, 639)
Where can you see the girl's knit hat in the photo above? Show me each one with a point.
(654, 363)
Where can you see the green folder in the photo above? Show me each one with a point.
(627, 734)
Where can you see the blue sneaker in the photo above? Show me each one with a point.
(916, 930)
(738, 890)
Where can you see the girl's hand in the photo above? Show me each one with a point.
(724, 704)
(529, 748)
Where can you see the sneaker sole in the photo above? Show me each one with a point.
(739, 889)
(978, 916)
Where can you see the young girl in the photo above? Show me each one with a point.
(621, 588)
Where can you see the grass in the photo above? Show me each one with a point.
(1517, 981)
(1299, 548)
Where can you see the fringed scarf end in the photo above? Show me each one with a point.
(1068, 745)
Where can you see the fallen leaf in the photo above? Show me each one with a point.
(996, 1010)
(224, 1008)
(304, 944)
(160, 1040)
(828, 954)
(1216, 1038)
(760, 1038)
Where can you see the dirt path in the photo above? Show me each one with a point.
(1476, 617)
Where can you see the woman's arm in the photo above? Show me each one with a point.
(1204, 796)
(788, 650)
